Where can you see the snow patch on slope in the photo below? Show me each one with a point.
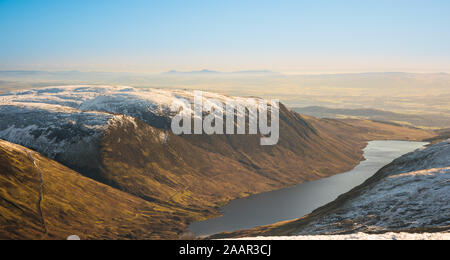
(54, 119)
(145, 104)
(363, 236)
(49, 129)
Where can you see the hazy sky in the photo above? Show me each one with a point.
(227, 35)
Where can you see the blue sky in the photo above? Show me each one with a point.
(228, 35)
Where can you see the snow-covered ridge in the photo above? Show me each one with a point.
(432, 157)
(58, 120)
(49, 129)
(121, 100)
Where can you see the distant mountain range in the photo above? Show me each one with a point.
(172, 72)
(73, 72)
(211, 72)
(399, 92)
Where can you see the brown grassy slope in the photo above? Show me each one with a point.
(72, 204)
(377, 130)
(201, 173)
(367, 130)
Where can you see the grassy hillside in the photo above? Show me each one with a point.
(72, 204)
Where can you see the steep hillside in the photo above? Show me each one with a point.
(41, 199)
(409, 195)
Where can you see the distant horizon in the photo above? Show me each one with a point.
(249, 71)
(288, 36)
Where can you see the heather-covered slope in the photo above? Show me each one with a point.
(41, 199)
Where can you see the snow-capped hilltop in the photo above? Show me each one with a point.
(84, 104)
(65, 120)
(51, 129)
(145, 104)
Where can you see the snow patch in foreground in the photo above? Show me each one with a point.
(363, 236)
